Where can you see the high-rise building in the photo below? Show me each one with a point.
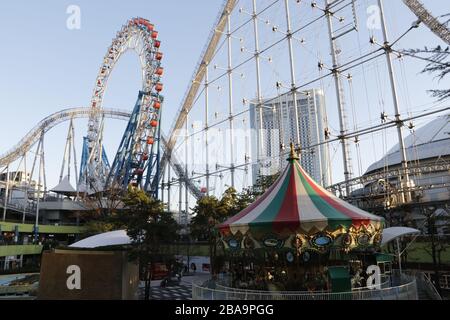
(279, 129)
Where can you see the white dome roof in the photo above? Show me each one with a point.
(430, 141)
(113, 238)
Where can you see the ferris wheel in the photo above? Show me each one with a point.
(140, 36)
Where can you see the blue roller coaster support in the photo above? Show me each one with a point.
(153, 170)
(125, 163)
(85, 158)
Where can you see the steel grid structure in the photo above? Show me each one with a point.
(222, 35)
(428, 19)
(33, 137)
(138, 35)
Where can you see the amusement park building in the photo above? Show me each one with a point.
(428, 154)
(279, 129)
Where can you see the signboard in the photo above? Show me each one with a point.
(86, 275)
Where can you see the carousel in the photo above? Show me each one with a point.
(298, 236)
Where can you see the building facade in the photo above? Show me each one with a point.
(279, 129)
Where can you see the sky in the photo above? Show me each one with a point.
(46, 66)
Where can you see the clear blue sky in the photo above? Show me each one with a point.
(45, 67)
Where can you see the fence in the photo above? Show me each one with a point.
(424, 283)
(444, 279)
(406, 290)
(18, 290)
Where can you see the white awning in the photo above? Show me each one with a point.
(392, 233)
(113, 238)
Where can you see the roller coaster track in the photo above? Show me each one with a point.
(428, 19)
(208, 53)
(27, 142)
(198, 77)
(414, 5)
(33, 136)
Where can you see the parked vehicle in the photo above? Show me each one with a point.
(160, 271)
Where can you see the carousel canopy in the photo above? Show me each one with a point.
(296, 203)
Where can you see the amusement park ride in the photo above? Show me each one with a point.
(145, 158)
(139, 151)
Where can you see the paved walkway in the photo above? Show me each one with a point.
(180, 292)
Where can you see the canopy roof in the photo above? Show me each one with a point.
(296, 203)
(113, 238)
(392, 233)
(65, 188)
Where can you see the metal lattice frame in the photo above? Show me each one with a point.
(197, 79)
(133, 42)
(427, 18)
(138, 35)
(129, 166)
(33, 136)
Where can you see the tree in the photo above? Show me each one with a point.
(102, 225)
(206, 215)
(263, 183)
(433, 220)
(102, 207)
(245, 198)
(438, 62)
(102, 204)
(210, 212)
(149, 226)
(228, 204)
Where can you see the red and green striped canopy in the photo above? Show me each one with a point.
(295, 203)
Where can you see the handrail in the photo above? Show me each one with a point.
(429, 287)
(54, 224)
(385, 284)
(406, 291)
(401, 292)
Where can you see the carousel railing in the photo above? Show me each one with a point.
(224, 283)
(406, 290)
